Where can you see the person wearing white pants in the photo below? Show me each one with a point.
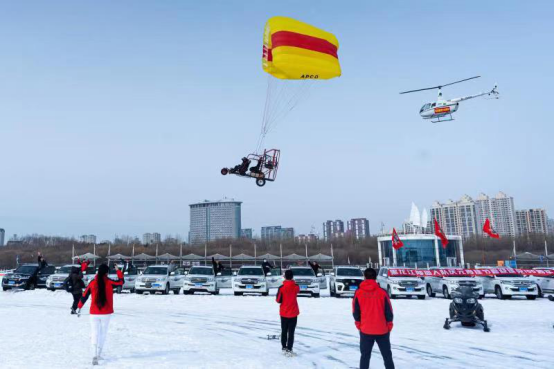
(101, 307)
(98, 332)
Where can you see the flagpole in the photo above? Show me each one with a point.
(73, 253)
(546, 252)
(94, 252)
(205, 254)
(515, 257)
(332, 257)
(181, 254)
(133, 255)
(281, 252)
(255, 255)
(109, 252)
(306, 245)
(231, 255)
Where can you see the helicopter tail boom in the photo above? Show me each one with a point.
(494, 92)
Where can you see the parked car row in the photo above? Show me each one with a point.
(343, 281)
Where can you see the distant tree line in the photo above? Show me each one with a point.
(57, 250)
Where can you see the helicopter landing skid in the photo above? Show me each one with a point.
(439, 120)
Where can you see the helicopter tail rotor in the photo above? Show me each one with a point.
(494, 92)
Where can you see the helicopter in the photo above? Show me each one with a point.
(441, 110)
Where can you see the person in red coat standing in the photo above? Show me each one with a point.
(286, 296)
(101, 307)
(373, 316)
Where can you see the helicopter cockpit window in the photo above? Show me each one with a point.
(433, 105)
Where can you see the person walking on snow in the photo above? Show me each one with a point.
(373, 316)
(289, 311)
(101, 307)
(77, 286)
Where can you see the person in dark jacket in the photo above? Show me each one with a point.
(316, 268)
(289, 311)
(373, 316)
(41, 261)
(216, 265)
(266, 266)
(76, 278)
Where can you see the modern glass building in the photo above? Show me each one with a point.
(421, 251)
(210, 220)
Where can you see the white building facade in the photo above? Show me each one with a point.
(530, 221)
(212, 220)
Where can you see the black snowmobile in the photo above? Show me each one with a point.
(466, 309)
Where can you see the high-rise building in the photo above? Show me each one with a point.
(276, 233)
(2, 235)
(499, 210)
(151, 238)
(358, 228)
(550, 226)
(246, 233)
(88, 238)
(456, 217)
(309, 238)
(531, 221)
(333, 229)
(211, 220)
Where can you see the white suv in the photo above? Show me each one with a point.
(55, 281)
(160, 278)
(251, 279)
(446, 284)
(545, 283)
(345, 280)
(306, 279)
(200, 279)
(400, 285)
(505, 286)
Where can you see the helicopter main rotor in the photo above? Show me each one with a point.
(439, 87)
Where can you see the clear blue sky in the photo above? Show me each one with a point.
(114, 116)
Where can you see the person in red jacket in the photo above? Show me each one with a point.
(84, 265)
(372, 312)
(101, 307)
(286, 296)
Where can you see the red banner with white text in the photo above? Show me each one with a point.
(405, 272)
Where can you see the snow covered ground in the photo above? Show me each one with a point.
(201, 331)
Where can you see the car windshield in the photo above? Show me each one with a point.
(201, 271)
(303, 272)
(510, 275)
(64, 270)
(47, 270)
(26, 269)
(226, 272)
(349, 272)
(251, 271)
(156, 271)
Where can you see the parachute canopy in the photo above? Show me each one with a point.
(297, 50)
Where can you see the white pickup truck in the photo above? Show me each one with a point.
(251, 279)
(201, 279)
(400, 285)
(160, 278)
(345, 280)
(504, 286)
(446, 284)
(306, 279)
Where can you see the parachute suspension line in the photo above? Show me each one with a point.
(282, 96)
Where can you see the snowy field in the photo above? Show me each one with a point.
(202, 331)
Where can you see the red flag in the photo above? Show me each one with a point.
(396, 242)
(440, 234)
(488, 229)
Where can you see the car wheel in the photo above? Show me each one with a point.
(132, 290)
(238, 293)
(389, 292)
(498, 293)
(316, 295)
(421, 297)
(166, 291)
(265, 293)
(138, 292)
(540, 292)
(430, 291)
(331, 292)
(531, 297)
(52, 289)
(31, 286)
(481, 297)
(216, 292)
(177, 291)
(4, 288)
(445, 292)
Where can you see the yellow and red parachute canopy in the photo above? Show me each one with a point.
(297, 50)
